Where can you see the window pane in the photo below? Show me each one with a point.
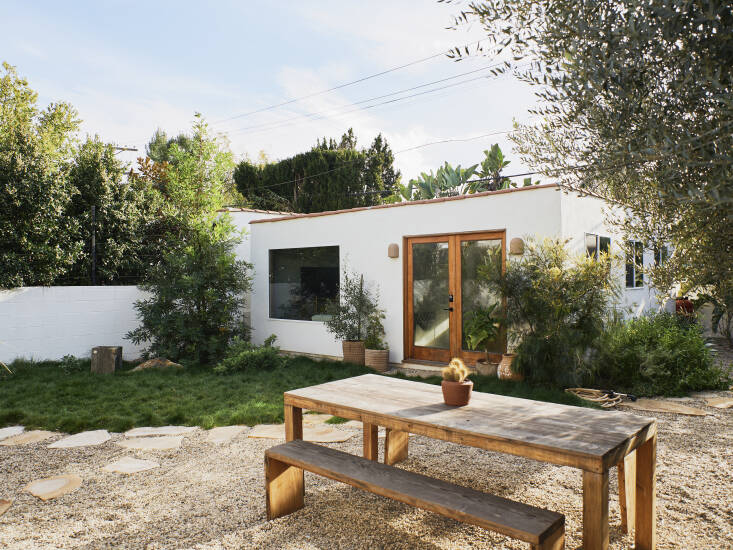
(430, 295)
(630, 265)
(474, 294)
(303, 281)
(591, 245)
(638, 264)
(604, 245)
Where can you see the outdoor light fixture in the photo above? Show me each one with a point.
(393, 250)
(516, 246)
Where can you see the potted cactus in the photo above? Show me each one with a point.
(456, 389)
(482, 328)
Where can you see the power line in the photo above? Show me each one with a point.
(367, 100)
(340, 86)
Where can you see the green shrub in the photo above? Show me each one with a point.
(243, 356)
(556, 307)
(657, 354)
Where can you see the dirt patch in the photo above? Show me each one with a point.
(208, 496)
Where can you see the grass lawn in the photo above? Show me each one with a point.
(46, 395)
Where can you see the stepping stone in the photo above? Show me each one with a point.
(152, 443)
(653, 405)
(53, 487)
(323, 434)
(160, 430)
(316, 418)
(223, 434)
(82, 439)
(10, 431)
(4, 505)
(26, 438)
(130, 465)
(720, 402)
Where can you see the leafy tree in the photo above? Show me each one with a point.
(194, 311)
(160, 145)
(36, 146)
(637, 101)
(331, 176)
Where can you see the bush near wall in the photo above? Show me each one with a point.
(659, 354)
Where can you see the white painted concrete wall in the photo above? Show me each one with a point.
(50, 322)
(363, 237)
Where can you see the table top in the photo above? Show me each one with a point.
(590, 439)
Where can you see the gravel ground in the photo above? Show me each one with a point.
(212, 497)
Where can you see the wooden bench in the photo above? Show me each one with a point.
(284, 487)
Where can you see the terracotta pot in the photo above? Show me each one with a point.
(505, 371)
(457, 394)
(353, 351)
(486, 368)
(378, 359)
(683, 306)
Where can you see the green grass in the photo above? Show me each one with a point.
(66, 397)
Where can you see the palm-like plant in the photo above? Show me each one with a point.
(482, 328)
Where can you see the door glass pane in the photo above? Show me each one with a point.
(474, 294)
(430, 295)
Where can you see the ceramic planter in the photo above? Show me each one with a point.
(353, 351)
(378, 359)
(505, 368)
(457, 394)
(486, 368)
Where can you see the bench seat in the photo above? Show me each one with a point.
(284, 465)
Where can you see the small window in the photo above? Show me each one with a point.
(596, 245)
(660, 255)
(635, 265)
(303, 282)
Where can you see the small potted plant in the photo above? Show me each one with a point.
(376, 353)
(482, 328)
(456, 389)
(505, 371)
(349, 316)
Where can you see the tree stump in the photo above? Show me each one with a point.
(106, 359)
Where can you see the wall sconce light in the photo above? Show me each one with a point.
(516, 246)
(393, 250)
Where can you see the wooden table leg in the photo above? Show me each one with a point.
(293, 423)
(371, 441)
(627, 491)
(595, 510)
(395, 446)
(646, 495)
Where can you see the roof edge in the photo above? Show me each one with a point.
(406, 203)
(256, 210)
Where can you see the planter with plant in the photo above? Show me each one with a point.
(482, 328)
(456, 389)
(350, 315)
(376, 353)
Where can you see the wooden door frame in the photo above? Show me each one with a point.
(454, 285)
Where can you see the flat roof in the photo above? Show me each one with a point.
(294, 216)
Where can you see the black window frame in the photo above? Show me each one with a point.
(634, 264)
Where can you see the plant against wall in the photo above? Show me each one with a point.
(556, 306)
(482, 328)
(194, 310)
(355, 310)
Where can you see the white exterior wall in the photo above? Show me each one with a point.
(581, 215)
(363, 237)
(50, 322)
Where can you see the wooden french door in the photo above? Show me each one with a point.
(441, 290)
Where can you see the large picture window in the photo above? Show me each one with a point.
(303, 281)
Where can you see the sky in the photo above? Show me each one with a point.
(132, 67)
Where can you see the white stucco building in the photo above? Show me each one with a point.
(424, 289)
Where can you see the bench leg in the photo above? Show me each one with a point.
(627, 491)
(371, 441)
(553, 542)
(395, 446)
(284, 488)
(595, 510)
(645, 533)
(293, 423)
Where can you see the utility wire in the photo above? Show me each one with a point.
(340, 86)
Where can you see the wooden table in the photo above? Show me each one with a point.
(592, 440)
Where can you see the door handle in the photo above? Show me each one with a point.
(447, 309)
